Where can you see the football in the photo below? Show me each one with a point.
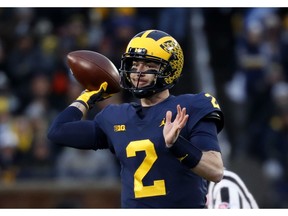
(91, 69)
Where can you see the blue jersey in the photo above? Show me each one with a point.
(151, 176)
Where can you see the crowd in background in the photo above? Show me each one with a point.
(254, 48)
(249, 58)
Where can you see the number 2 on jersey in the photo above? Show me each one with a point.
(158, 187)
(213, 101)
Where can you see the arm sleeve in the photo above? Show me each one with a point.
(69, 130)
(204, 136)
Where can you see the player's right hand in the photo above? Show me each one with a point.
(89, 98)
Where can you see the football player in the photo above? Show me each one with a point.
(167, 145)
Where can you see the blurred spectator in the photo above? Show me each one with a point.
(39, 95)
(284, 45)
(174, 15)
(8, 143)
(275, 138)
(36, 160)
(22, 61)
(75, 165)
(247, 83)
(272, 25)
(275, 143)
(24, 20)
(39, 162)
(7, 93)
(258, 55)
(73, 34)
(95, 29)
(252, 58)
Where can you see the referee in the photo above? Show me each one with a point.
(230, 193)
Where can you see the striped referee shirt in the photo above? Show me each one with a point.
(230, 193)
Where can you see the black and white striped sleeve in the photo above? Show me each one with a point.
(230, 193)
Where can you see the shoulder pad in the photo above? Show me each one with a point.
(213, 115)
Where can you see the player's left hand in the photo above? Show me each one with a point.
(171, 129)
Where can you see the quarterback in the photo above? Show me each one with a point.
(167, 145)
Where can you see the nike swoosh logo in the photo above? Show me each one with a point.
(182, 158)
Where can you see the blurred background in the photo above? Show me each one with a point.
(239, 55)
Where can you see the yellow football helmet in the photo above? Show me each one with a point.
(156, 46)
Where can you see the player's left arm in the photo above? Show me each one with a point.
(206, 163)
(211, 164)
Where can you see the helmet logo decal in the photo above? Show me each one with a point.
(168, 46)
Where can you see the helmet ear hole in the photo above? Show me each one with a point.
(173, 57)
(166, 71)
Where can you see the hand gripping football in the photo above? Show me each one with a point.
(91, 69)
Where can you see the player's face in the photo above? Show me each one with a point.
(142, 76)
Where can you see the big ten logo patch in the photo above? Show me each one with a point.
(118, 128)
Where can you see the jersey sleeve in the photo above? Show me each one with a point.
(201, 106)
(202, 129)
(204, 136)
(69, 130)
